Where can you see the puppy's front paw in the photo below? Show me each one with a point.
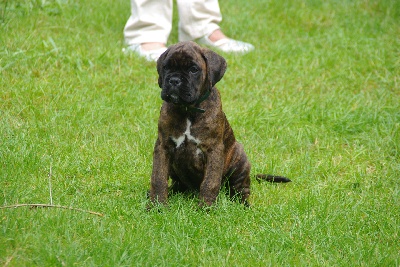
(205, 204)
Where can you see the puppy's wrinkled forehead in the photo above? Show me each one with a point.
(183, 56)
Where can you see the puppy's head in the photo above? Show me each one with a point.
(187, 71)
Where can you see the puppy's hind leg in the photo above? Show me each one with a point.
(239, 184)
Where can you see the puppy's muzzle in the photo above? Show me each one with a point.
(174, 83)
(174, 98)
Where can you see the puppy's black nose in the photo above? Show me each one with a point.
(175, 81)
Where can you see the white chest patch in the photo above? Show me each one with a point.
(178, 141)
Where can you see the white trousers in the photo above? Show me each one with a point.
(151, 20)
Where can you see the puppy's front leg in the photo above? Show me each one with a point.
(211, 185)
(159, 176)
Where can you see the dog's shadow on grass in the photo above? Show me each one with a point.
(190, 199)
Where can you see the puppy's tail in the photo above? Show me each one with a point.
(272, 178)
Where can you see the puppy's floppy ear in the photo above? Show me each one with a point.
(160, 67)
(216, 66)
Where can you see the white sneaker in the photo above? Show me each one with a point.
(149, 55)
(227, 45)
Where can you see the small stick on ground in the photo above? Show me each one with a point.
(50, 206)
(50, 189)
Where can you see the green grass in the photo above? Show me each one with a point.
(318, 101)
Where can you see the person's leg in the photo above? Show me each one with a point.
(147, 29)
(150, 21)
(197, 18)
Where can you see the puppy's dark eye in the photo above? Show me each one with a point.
(193, 69)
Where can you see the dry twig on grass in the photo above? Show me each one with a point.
(51, 206)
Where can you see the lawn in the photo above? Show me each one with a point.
(317, 101)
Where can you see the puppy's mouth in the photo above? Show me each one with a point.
(185, 101)
(174, 98)
(178, 96)
(178, 100)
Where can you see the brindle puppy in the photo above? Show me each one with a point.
(196, 146)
